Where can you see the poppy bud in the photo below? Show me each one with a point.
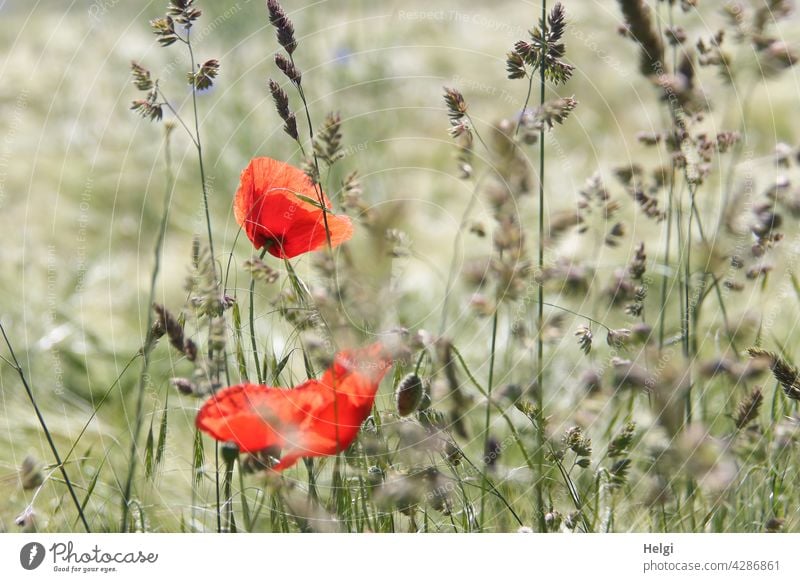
(408, 394)
(230, 451)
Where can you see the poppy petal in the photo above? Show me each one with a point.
(230, 416)
(275, 206)
(318, 418)
(308, 234)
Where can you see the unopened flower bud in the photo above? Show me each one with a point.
(408, 394)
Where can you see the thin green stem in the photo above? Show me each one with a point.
(525, 104)
(487, 483)
(216, 486)
(204, 186)
(681, 275)
(199, 146)
(468, 210)
(477, 134)
(539, 488)
(16, 365)
(715, 285)
(320, 196)
(736, 155)
(178, 117)
(252, 318)
(490, 386)
(230, 524)
(150, 339)
(568, 481)
(515, 433)
(667, 245)
(97, 407)
(687, 302)
(577, 314)
(451, 277)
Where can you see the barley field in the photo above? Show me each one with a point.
(449, 266)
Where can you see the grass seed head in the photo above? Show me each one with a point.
(784, 372)
(284, 28)
(748, 408)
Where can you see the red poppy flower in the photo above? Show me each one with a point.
(270, 208)
(318, 418)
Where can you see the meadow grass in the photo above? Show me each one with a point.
(489, 251)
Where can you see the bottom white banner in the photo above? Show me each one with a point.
(479, 557)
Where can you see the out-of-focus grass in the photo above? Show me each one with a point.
(82, 186)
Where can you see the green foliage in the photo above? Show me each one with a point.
(679, 429)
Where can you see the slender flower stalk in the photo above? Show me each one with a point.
(665, 280)
(252, 321)
(539, 489)
(198, 143)
(489, 387)
(544, 53)
(284, 30)
(150, 339)
(687, 316)
(62, 469)
(183, 13)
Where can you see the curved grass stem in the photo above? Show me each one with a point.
(573, 491)
(539, 486)
(150, 339)
(490, 386)
(198, 143)
(252, 322)
(51, 443)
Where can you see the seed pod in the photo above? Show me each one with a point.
(230, 452)
(408, 394)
